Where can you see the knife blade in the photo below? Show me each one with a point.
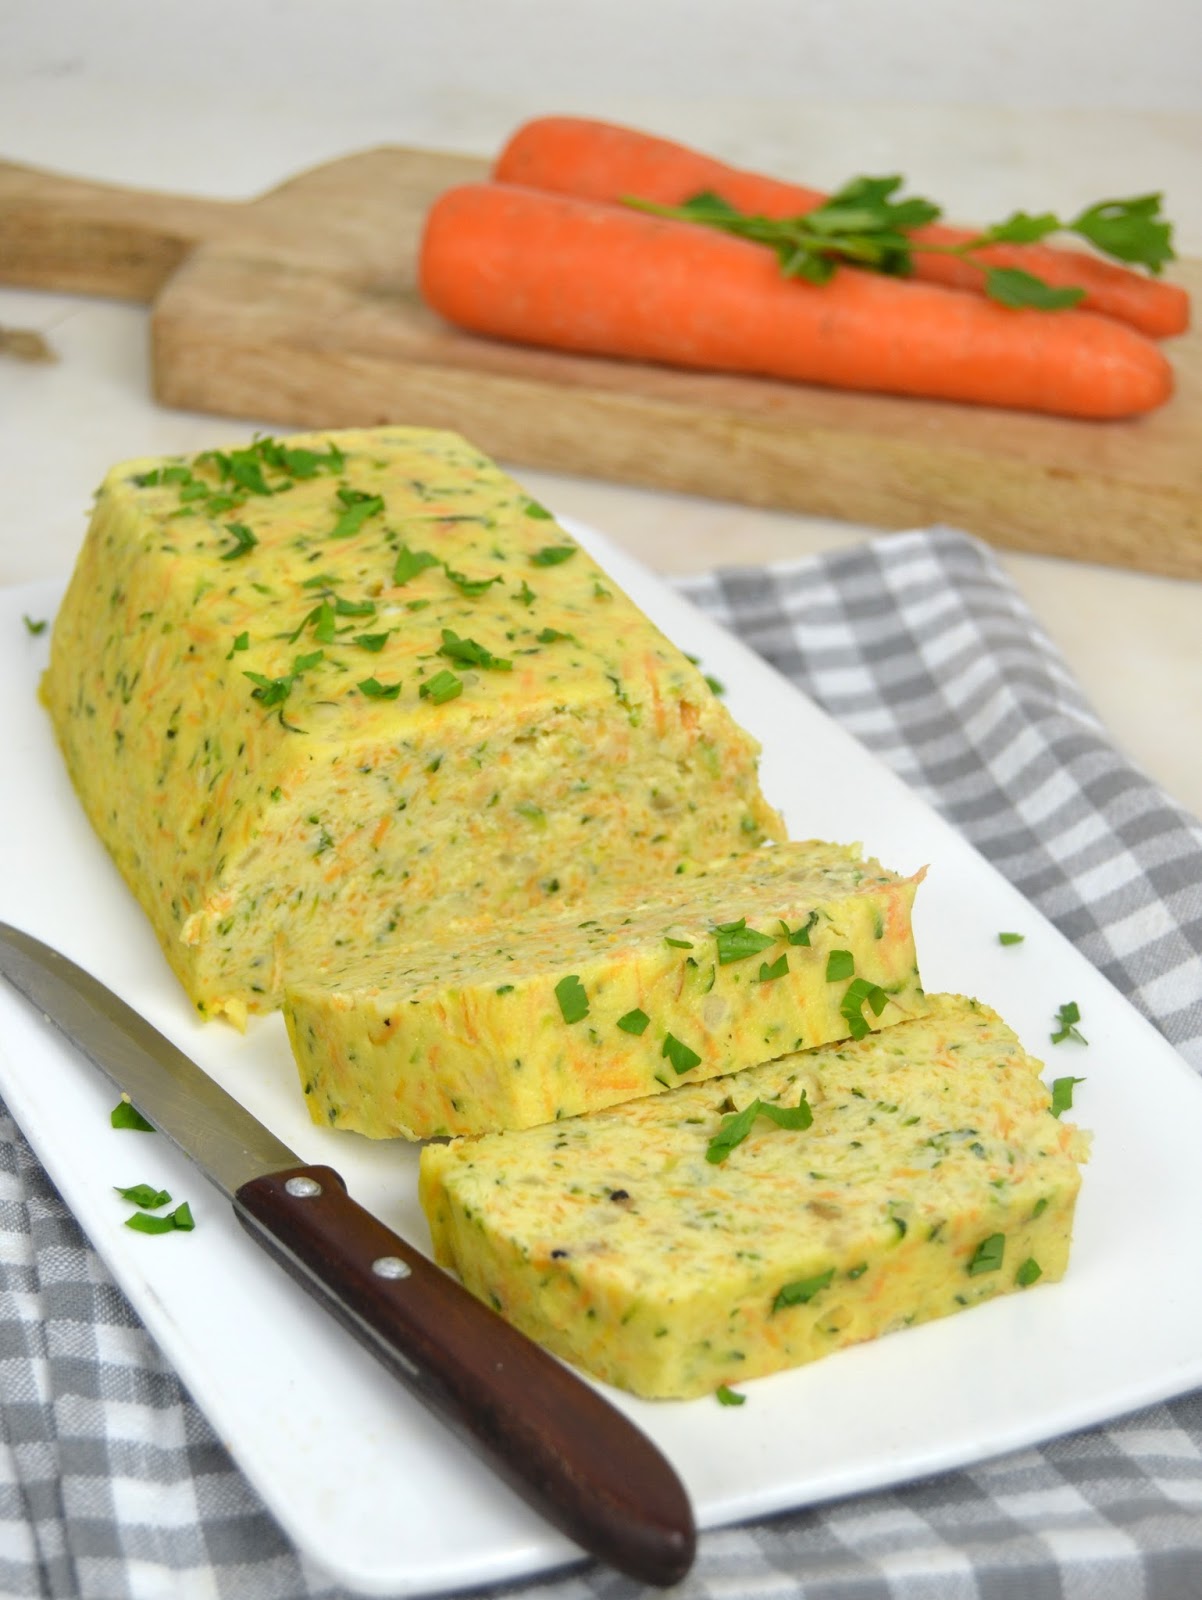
(563, 1447)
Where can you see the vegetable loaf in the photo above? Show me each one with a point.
(550, 1016)
(932, 1176)
(342, 690)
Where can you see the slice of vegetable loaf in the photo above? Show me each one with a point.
(750, 957)
(338, 690)
(933, 1176)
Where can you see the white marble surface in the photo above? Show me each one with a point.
(225, 99)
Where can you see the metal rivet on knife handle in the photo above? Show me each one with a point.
(303, 1188)
(390, 1267)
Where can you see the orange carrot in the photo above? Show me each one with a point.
(601, 161)
(546, 269)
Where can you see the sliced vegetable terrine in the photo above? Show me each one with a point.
(751, 1223)
(337, 691)
(550, 1016)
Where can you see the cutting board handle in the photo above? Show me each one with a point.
(95, 238)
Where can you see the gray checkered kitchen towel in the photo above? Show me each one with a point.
(883, 636)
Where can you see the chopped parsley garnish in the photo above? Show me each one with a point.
(357, 508)
(242, 642)
(775, 969)
(736, 942)
(573, 1001)
(1062, 1094)
(354, 608)
(552, 555)
(678, 944)
(506, 988)
(375, 690)
(125, 1115)
(839, 964)
(409, 563)
(679, 1053)
(244, 541)
(34, 626)
(799, 935)
(322, 620)
(1011, 938)
(987, 1257)
(1028, 1273)
(372, 641)
(802, 1290)
(539, 513)
(179, 1220)
(729, 1397)
(553, 635)
(468, 653)
(860, 993)
(471, 587)
(144, 1196)
(734, 1129)
(635, 1022)
(715, 685)
(1068, 1017)
(443, 686)
(274, 691)
(526, 594)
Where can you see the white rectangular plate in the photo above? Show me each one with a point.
(360, 1476)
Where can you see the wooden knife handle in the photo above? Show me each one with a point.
(554, 1439)
(95, 238)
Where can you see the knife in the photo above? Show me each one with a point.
(574, 1457)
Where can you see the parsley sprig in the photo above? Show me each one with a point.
(866, 224)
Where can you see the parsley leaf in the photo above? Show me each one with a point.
(145, 1197)
(1028, 1273)
(858, 994)
(736, 942)
(34, 627)
(802, 1290)
(679, 1053)
(729, 1397)
(443, 686)
(635, 1022)
(409, 563)
(1068, 1017)
(179, 1220)
(358, 507)
(125, 1115)
(1011, 938)
(775, 969)
(540, 513)
(987, 1257)
(734, 1129)
(374, 642)
(244, 541)
(375, 690)
(1062, 1094)
(470, 654)
(1011, 286)
(573, 1001)
(800, 935)
(552, 555)
(471, 587)
(839, 964)
(1130, 230)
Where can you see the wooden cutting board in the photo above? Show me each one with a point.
(301, 308)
